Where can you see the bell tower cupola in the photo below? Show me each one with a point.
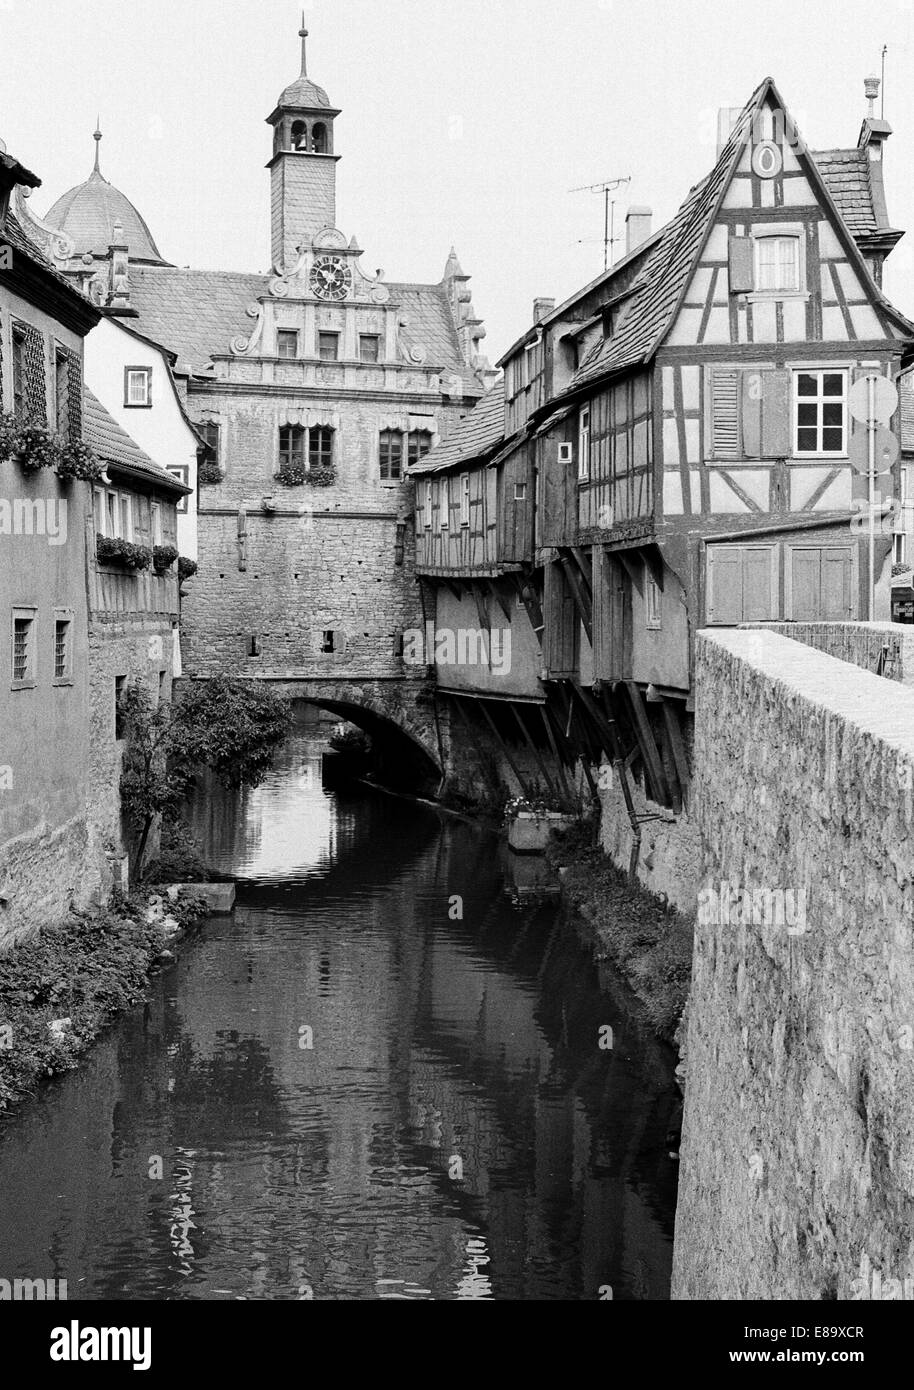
(303, 166)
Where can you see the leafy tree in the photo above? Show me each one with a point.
(232, 726)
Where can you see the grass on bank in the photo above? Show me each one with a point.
(650, 944)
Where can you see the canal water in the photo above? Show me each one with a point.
(381, 1078)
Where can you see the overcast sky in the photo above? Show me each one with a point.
(463, 121)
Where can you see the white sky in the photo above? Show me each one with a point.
(464, 121)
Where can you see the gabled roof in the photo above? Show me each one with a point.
(661, 285)
(115, 447)
(198, 313)
(477, 435)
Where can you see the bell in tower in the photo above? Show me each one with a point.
(303, 167)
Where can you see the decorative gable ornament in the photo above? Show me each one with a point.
(767, 160)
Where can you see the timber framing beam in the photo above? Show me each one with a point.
(653, 762)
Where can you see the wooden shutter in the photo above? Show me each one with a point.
(724, 390)
(765, 414)
(724, 598)
(740, 249)
(805, 585)
(561, 623)
(837, 584)
(759, 579)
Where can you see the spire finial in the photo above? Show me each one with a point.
(97, 138)
(303, 35)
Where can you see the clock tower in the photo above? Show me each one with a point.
(303, 166)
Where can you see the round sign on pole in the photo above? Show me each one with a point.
(885, 450)
(885, 399)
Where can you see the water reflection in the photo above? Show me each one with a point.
(378, 1080)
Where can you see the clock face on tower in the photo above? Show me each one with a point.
(331, 278)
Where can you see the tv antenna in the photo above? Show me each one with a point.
(608, 210)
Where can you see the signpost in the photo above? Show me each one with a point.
(872, 401)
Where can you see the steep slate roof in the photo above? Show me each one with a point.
(114, 446)
(199, 312)
(15, 236)
(658, 289)
(476, 436)
(847, 178)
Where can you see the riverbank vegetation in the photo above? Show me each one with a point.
(61, 989)
(649, 943)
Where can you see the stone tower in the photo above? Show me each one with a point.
(303, 166)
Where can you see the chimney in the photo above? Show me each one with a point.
(637, 227)
(727, 117)
(541, 308)
(873, 134)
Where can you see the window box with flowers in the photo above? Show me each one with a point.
(163, 557)
(290, 475)
(112, 550)
(321, 477)
(34, 446)
(209, 474)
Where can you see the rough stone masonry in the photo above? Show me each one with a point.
(797, 1164)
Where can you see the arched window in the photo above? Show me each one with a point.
(319, 139)
(299, 135)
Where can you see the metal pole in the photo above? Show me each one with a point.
(606, 231)
(871, 429)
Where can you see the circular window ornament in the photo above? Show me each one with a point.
(766, 159)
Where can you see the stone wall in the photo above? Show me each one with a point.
(886, 649)
(669, 857)
(797, 1163)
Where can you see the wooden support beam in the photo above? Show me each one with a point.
(652, 759)
(559, 762)
(585, 565)
(585, 612)
(499, 598)
(677, 746)
(524, 786)
(608, 734)
(454, 588)
(654, 561)
(632, 568)
(537, 755)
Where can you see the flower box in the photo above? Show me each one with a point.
(529, 831)
(112, 550)
(163, 557)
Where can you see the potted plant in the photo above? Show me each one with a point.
(209, 473)
(78, 460)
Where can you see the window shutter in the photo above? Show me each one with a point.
(724, 584)
(837, 584)
(805, 573)
(758, 596)
(766, 414)
(724, 386)
(740, 248)
(776, 441)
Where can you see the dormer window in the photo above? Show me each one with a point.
(138, 386)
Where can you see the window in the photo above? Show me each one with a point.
(23, 647)
(391, 454)
(113, 514)
(427, 508)
(181, 471)
(777, 264)
(820, 413)
(369, 347)
(529, 363)
(584, 445)
(520, 492)
(19, 372)
(120, 722)
(320, 447)
(420, 444)
(328, 347)
(899, 548)
(464, 499)
(126, 517)
(327, 641)
(63, 655)
(62, 393)
(444, 517)
(291, 447)
(208, 466)
(137, 386)
(652, 601)
(319, 138)
(286, 343)
(155, 522)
